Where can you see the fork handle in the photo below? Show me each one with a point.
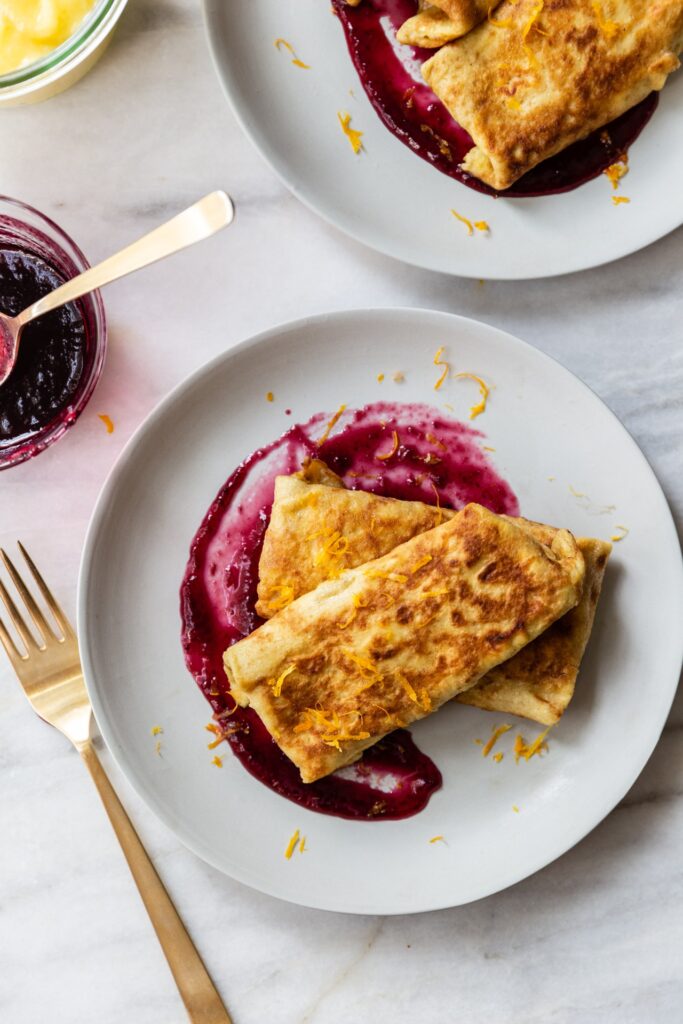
(202, 1002)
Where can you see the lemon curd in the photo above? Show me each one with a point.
(31, 29)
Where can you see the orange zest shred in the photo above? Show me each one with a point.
(464, 220)
(499, 731)
(515, 808)
(276, 684)
(351, 134)
(437, 839)
(156, 730)
(292, 844)
(302, 844)
(425, 700)
(368, 668)
(392, 451)
(529, 24)
(513, 104)
(376, 574)
(107, 422)
(439, 517)
(420, 564)
(479, 408)
(441, 592)
(608, 27)
(331, 425)
(618, 200)
(218, 761)
(616, 171)
(285, 596)
(398, 377)
(280, 43)
(433, 439)
(270, 397)
(212, 727)
(498, 757)
(410, 690)
(537, 746)
(157, 748)
(508, 23)
(620, 536)
(438, 361)
(482, 225)
(380, 378)
(357, 603)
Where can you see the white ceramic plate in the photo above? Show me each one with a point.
(543, 423)
(391, 199)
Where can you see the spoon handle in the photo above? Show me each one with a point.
(198, 222)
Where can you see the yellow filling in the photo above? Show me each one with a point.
(31, 29)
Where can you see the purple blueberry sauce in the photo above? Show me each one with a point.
(390, 75)
(435, 457)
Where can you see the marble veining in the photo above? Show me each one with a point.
(593, 939)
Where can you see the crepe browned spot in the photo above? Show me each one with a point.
(537, 76)
(390, 641)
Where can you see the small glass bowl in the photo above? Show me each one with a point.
(25, 228)
(65, 65)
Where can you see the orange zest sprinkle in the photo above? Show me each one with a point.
(380, 378)
(476, 410)
(280, 43)
(292, 844)
(393, 449)
(420, 564)
(463, 220)
(438, 504)
(441, 592)
(357, 603)
(331, 425)
(376, 574)
(285, 596)
(276, 684)
(487, 448)
(618, 200)
(156, 730)
(513, 104)
(498, 757)
(437, 839)
(425, 700)
(498, 24)
(494, 737)
(107, 422)
(438, 361)
(218, 761)
(410, 690)
(270, 397)
(398, 377)
(531, 56)
(212, 727)
(616, 171)
(368, 668)
(515, 808)
(620, 536)
(433, 439)
(302, 844)
(479, 742)
(482, 225)
(537, 746)
(157, 748)
(351, 134)
(607, 27)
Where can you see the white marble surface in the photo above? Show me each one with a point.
(593, 939)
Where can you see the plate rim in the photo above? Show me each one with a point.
(262, 147)
(118, 752)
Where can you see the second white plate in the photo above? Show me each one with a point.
(550, 434)
(390, 199)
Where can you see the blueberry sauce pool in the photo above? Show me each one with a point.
(390, 75)
(52, 351)
(394, 779)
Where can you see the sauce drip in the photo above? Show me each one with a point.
(390, 75)
(394, 779)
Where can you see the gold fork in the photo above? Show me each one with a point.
(51, 675)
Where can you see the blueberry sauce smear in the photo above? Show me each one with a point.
(394, 779)
(52, 350)
(390, 74)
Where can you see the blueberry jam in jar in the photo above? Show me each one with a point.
(60, 354)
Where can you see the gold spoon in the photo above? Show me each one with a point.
(198, 222)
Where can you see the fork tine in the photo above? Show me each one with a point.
(27, 597)
(10, 648)
(22, 629)
(55, 608)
